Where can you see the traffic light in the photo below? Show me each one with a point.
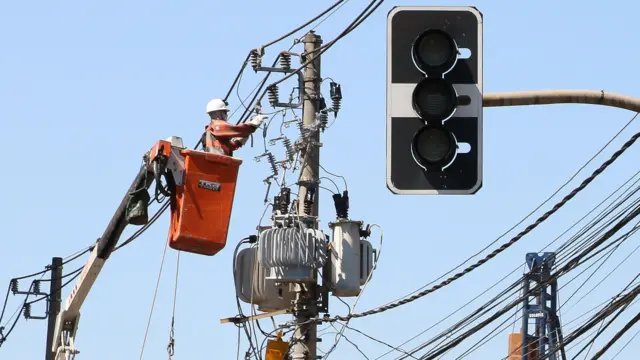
(434, 100)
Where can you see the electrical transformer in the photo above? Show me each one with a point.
(351, 258)
(291, 254)
(257, 289)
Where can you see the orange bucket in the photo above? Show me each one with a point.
(201, 207)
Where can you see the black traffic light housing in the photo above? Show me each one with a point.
(434, 100)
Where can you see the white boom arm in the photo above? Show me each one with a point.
(67, 321)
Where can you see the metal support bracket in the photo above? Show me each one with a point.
(301, 91)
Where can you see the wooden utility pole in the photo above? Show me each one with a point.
(55, 300)
(304, 338)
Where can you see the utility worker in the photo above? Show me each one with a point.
(224, 138)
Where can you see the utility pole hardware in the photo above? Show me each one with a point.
(292, 250)
(434, 100)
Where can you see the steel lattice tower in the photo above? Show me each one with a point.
(540, 303)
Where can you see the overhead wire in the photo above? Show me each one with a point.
(433, 354)
(393, 348)
(261, 84)
(366, 283)
(247, 330)
(600, 330)
(609, 235)
(280, 38)
(620, 302)
(602, 280)
(572, 262)
(333, 7)
(264, 81)
(153, 302)
(5, 336)
(569, 349)
(322, 49)
(171, 344)
(600, 312)
(521, 221)
(144, 228)
(605, 257)
(508, 244)
(350, 342)
(75, 273)
(515, 284)
(626, 344)
(565, 326)
(359, 19)
(594, 308)
(601, 261)
(26, 301)
(617, 336)
(599, 217)
(499, 325)
(304, 25)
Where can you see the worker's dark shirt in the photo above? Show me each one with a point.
(219, 135)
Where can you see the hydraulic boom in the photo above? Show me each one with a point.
(200, 187)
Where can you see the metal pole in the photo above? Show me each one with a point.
(547, 97)
(304, 337)
(55, 302)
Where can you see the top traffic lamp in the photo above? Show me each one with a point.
(434, 100)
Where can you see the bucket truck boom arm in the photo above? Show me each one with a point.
(67, 321)
(196, 180)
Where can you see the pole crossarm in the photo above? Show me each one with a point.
(547, 97)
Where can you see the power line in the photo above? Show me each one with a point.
(564, 269)
(622, 301)
(626, 344)
(529, 214)
(3, 336)
(75, 274)
(617, 336)
(303, 25)
(506, 245)
(359, 19)
(603, 313)
(332, 9)
(570, 265)
(246, 61)
(609, 209)
(604, 258)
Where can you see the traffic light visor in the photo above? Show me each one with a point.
(434, 99)
(433, 146)
(434, 52)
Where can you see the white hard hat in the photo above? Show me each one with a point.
(216, 105)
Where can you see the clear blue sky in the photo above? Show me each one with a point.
(86, 88)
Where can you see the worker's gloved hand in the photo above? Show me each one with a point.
(238, 140)
(258, 120)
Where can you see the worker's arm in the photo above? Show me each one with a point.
(222, 129)
(235, 135)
